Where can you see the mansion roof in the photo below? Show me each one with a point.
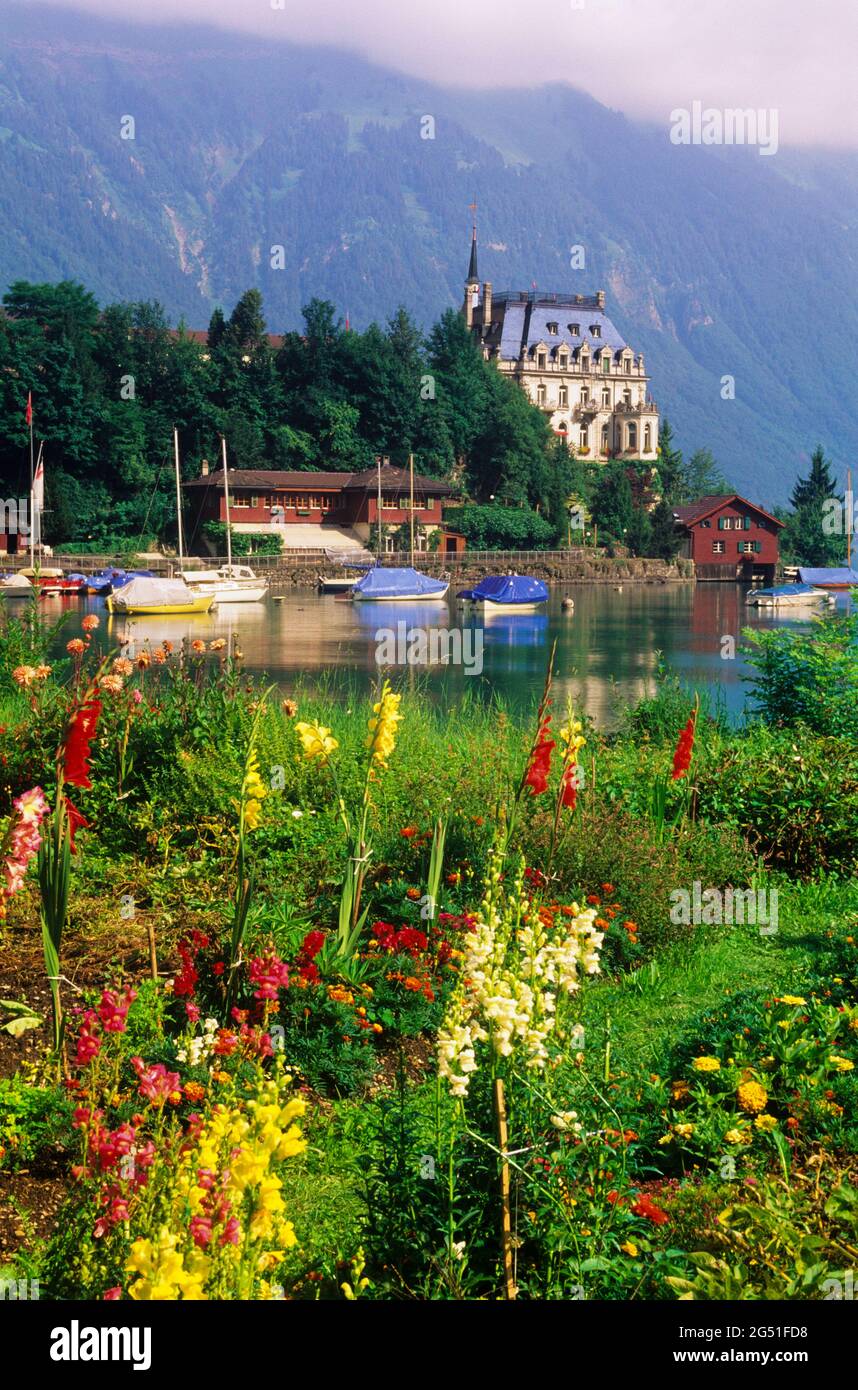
(524, 322)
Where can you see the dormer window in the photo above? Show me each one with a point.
(563, 360)
(595, 330)
(574, 329)
(627, 366)
(606, 361)
(540, 361)
(553, 329)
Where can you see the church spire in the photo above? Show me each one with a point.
(473, 277)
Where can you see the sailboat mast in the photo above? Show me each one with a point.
(32, 494)
(226, 501)
(411, 503)
(378, 509)
(179, 500)
(850, 516)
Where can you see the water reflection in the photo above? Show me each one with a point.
(608, 647)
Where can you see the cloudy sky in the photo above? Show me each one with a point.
(645, 57)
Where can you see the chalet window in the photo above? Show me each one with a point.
(746, 523)
(389, 502)
(240, 501)
(301, 502)
(428, 504)
(314, 502)
(254, 501)
(705, 525)
(325, 502)
(748, 547)
(725, 523)
(596, 330)
(717, 547)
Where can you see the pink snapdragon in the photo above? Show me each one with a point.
(156, 1083)
(269, 973)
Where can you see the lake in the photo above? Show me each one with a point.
(608, 647)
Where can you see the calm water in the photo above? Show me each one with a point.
(608, 647)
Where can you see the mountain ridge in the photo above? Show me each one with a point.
(717, 263)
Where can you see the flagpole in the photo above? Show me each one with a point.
(178, 498)
(32, 486)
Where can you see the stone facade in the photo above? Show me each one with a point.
(572, 361)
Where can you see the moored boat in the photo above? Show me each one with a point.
(843, 578)
(15, 585)
(53, 581)
(158, 596)
(507, 593)
(380, 585)
(787, 596)
(228, 584)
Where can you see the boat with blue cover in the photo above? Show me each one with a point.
(838, 578)
(381, 585)
(507, 593)
(787, 596)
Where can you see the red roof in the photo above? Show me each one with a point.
(691, 512)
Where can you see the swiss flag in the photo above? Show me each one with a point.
(29, 414)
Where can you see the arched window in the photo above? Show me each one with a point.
(633, 436)
(605, 439)
(647, 438)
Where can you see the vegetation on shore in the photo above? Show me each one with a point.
(302, 998)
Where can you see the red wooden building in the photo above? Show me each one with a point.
(310, 509)
(730, 538)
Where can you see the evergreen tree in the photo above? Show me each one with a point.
(670, 462)
(666, 540)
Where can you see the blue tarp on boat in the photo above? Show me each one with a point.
(380, 583)
(508, 588)
(844, 578)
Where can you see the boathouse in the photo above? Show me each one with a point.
(730, 538)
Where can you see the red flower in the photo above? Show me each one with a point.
(77, 821)
(113, 1010)
(646, 1207)
(76, 754)
(312, 945)
(268, 972)
(539, 766)
(684, 750)
(569, 796)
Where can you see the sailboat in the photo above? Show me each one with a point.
(161, 597)
(383, 585)
(230, 583)
(44, 581)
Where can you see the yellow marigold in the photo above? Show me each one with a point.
(679, 1090)
(706, 1064)
(752, 1097)
(841, 1063)
(316, 740)
(765, 1123)
(381, 738)
(629, 1248)
(793, 999)
(736, 1136)
(684, 1131)
(340, 995)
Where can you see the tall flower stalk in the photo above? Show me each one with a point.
(318, 745)
(253, 793)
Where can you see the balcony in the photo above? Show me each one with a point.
(626, 408)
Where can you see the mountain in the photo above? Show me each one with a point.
(716, 262)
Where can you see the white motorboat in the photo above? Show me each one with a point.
(15, 586)
(228, 584)
(787, 596)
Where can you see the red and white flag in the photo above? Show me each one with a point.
(39, 488)
(29, 413)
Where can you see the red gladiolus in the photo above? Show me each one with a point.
(646, 1207)
(76, 754)
(539, 766)
(77, 821)
(684, 749)
(569, 794)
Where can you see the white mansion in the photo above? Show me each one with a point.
(569, 357)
